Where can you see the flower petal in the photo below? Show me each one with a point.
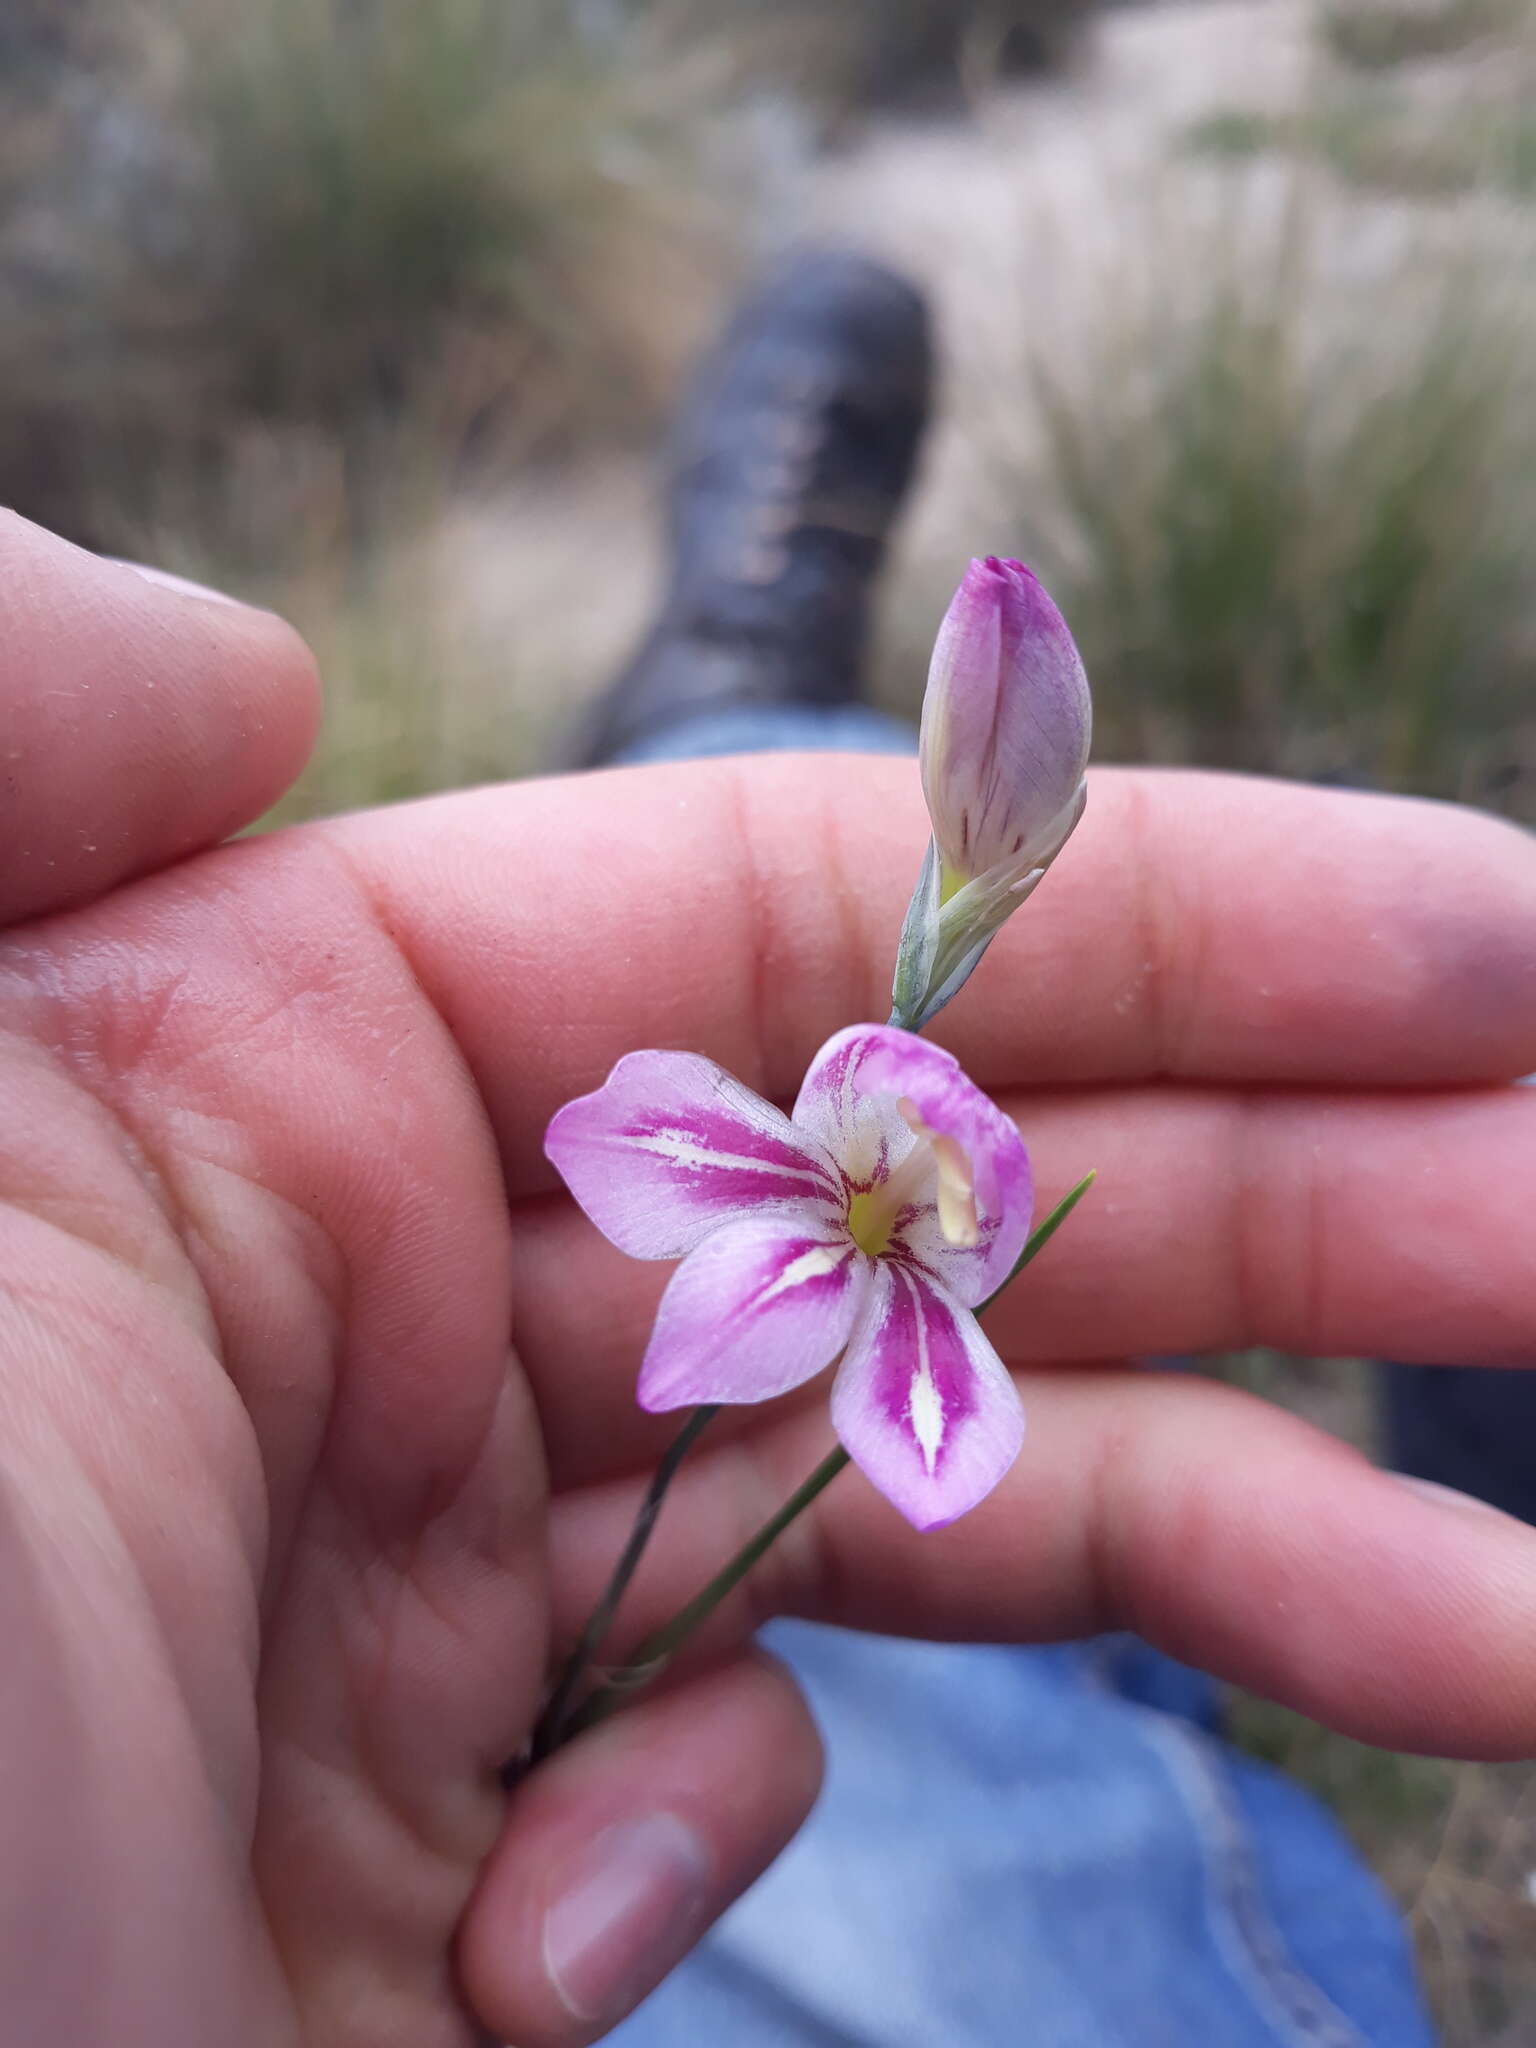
(862, 1128)
(1006, 722)
(671, 1146)
(851, 1103)
(923, 1404)
(759, 1307)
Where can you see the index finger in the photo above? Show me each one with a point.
(1232, 1535)
(1198, 926)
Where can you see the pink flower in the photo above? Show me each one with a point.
(1006, 724)
(869, 1223)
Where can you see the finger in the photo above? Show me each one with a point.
(622, 1849)
(1197, 925)
(1393, 1225)
(141, 721)
(1231, 1534)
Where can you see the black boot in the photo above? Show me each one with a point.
(791, 456)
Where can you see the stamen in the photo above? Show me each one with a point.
(957, 1194)
(957, 1188)
(872, 1215)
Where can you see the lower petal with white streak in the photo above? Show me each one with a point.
(761, 1306)
(922, 1403)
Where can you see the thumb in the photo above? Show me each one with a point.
(140, 719)
(621, 1850)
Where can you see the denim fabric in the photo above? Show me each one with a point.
(1466, 1426)
(1012, 1853)
(1037, 1848)
(776, 729)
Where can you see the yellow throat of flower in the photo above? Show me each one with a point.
(871, 1220)
(872, 1214)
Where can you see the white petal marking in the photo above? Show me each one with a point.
(956, 1192)
(925, 1407)
(812, 1265)
(684, 1150)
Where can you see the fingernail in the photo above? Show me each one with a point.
(630, 1908)
(1447, 1496)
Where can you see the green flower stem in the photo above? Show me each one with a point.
(656, 1652)
(652, 1656)
(551, 1730)
(1039, 1239)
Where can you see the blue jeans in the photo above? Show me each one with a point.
(1031, 1848)
(778, 729)
(1015, 1850)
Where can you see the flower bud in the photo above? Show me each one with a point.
(1006, 721)
(1006, 724)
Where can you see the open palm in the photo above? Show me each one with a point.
(317, 1430)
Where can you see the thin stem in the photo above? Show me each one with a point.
(551, 1729)
(1039, 1239)
(653, 1655)
(658, 1649)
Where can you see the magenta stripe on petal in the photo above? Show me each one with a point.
(920, 1356)
(949, 1101)
(830, 1096)
(726, 1158)
(848, 1103)
(861, 1127)
(756, 1309)
(671, 1146)
(922, 1402)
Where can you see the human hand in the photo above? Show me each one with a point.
(317, 1431)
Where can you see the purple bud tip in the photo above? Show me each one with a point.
(1006, 719)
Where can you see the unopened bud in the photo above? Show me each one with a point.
(1006, 725)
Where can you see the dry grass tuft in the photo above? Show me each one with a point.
(1284, 547)
(1374, 35)
(371, 226)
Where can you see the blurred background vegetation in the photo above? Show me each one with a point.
(372, 310)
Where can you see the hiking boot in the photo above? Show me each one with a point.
(789, 461)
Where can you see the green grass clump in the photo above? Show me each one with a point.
(1293, 557)
(1236, 133)
(1384, 1793)
(418, 699)
(1382, 146)
(1374, 35)
(392, 176)
(483, 220)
